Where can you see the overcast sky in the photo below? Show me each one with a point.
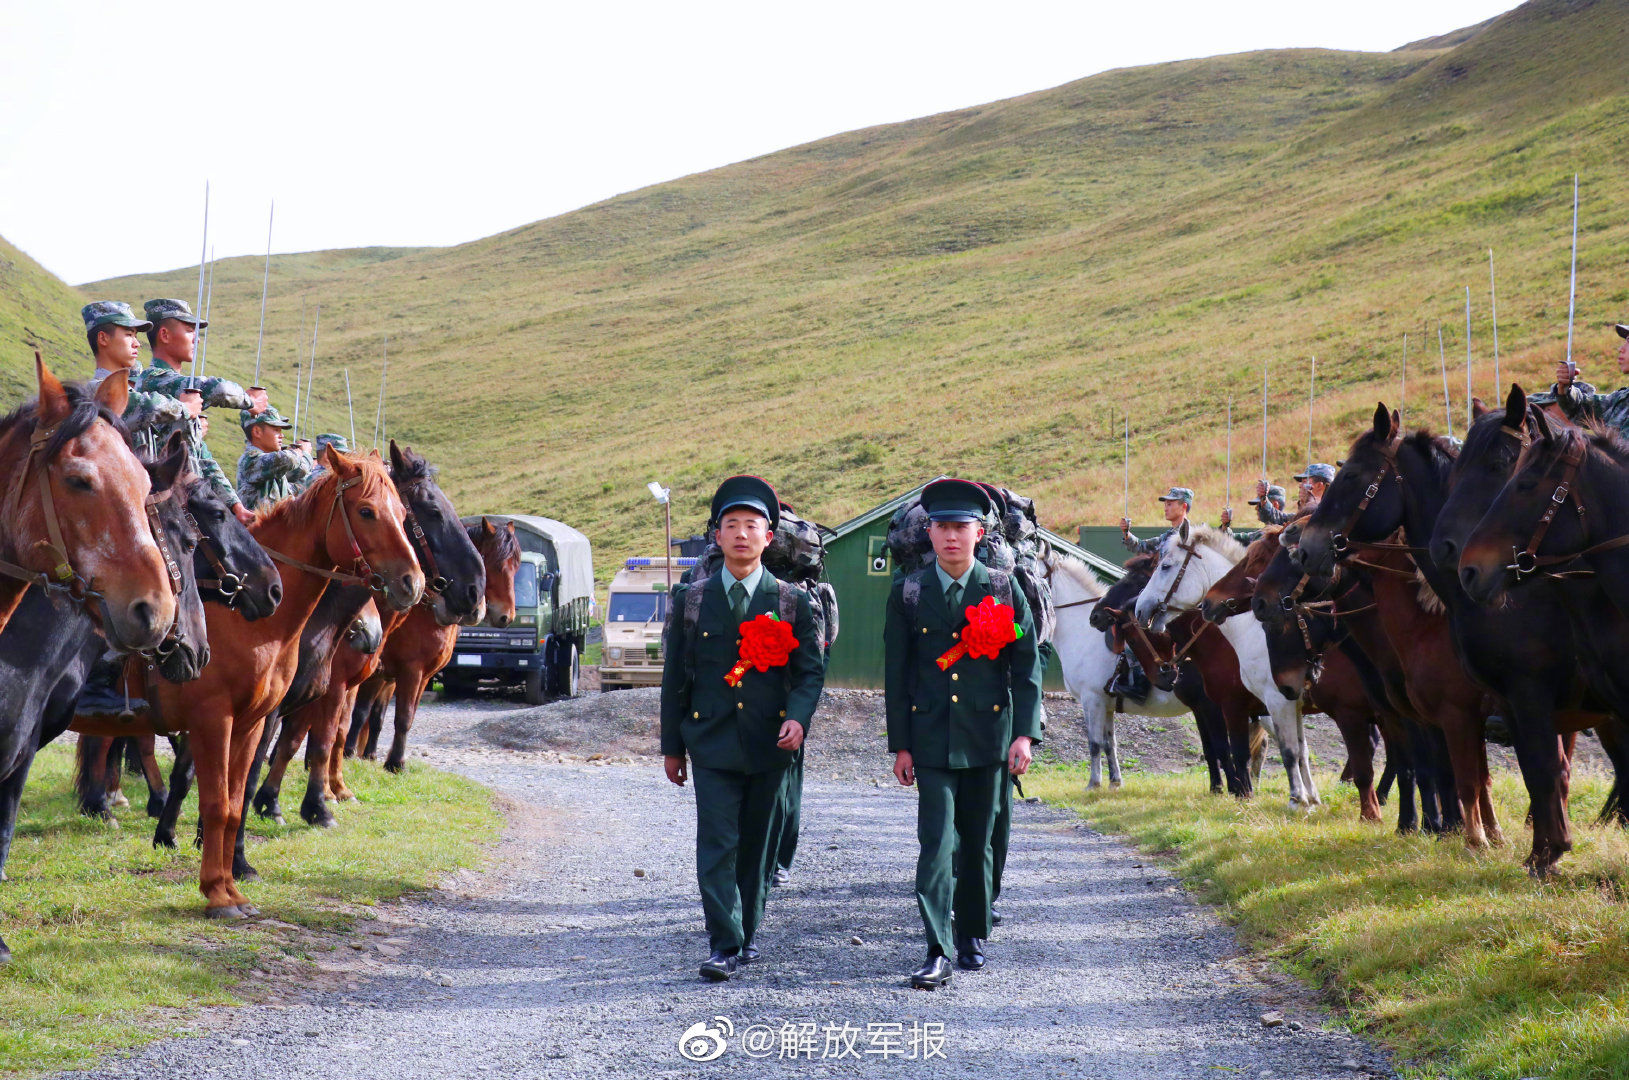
(412, 124)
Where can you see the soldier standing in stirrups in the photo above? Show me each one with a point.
(953, 727)
(174, 339)
(739, 725)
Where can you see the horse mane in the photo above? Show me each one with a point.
(1218, 540)
(508, 545)
(1607, 440)
(300, 512)
(1081, 574)
(1140, 563)
(83, 411)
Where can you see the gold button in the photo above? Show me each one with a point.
(740, 704)
(695, 716)
(738, 641)
(954, 677)
(997, 708)
(953, 697)
(704, 633)
(924, 629)
(914, 708)
(783, 712)
(955, 633)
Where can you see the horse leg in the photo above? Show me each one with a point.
(376, 722)
(1611, 735)
(212, 757)
(1094, 708)
(181, 775)
(1354, 731)
(1209, 745)
(11, 794)
(241, 869)
(292, 730)
(90, 776)
(336, 752)
(1388, 775)
(1545, 772)
(242, 748)
(156, 792)
(410, 687)
(1239, 730)
(320, 714)
(1466, 753)
(113, 771)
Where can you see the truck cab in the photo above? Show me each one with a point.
(541, 651)
(634, 615)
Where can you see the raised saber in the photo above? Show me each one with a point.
(1228, 506)
(1493, 310)
(265, 279)
(1468, 416)
(1126, 496)
(1264, 422)
(1312, 387)
(311, 372)
(1402, 402)
(379, 414)
(1442, 357)
(348, 408)
(1572, 286)
(209, 301)
(298, 371)
(203, 252)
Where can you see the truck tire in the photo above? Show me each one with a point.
(535, 690)
(569, 672)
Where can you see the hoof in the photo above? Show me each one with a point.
(228, 911)
(249, 911)
(164, 840)
(118, 802)
(1114, 785)
(5, 954)
(1094, 785)
(393, 766)
(266, 806)
(318, 818)
(242, 871)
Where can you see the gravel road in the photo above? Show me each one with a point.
(575, 956)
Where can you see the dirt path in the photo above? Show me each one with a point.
(575, 956)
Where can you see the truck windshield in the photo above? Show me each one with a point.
(526, 585)
(637, 607)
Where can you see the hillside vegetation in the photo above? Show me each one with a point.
(991, 291)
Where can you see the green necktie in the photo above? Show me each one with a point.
(953, 595)
(738, 602)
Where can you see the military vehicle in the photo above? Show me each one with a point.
(633, 622)
(541, 651)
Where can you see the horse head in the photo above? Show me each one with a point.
(1123, 593)
(1297, 634)
(1494, 442)
(184, 652)
(454, 571)
(1191, 561)
(1362, 502)
(500, 551)
(76, 508)
(231, 567)
(1231, 593)
(366, 527)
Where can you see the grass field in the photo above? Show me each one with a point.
(992, 291)
(1460, 962)
(106, 932)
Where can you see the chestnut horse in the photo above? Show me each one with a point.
(74, 511)
(447, 551)
(422, 646)
(349, 519)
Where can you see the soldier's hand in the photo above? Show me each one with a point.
(1019, 756)
(1564, 375)
(1261, 490)
(244, 514)
(303, 444)
(1125, 526)
(904, 768)
(1227, 516)
(675, 768)
(791, 735)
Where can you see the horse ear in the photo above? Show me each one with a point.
(1541, 426)
(1250, 582)
(1382, 422)
(113, 393)
(486, 527)
(1185, 531)
(1516, 407)
(398, 464)
(167, 470)
(54, 405)
(1478, 409)
(336, 462)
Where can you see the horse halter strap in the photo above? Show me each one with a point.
(1528, 560)
(1340, 539)
(365, 574)
(433, 581)
(228, 584)
(1192, 550)
(174, 637)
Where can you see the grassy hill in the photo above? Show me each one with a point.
(991, 291)
(35, 308)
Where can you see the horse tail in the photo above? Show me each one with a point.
(126, 750)
(1258, 738)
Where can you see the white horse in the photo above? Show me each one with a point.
(1191, 561)
(1088, 663)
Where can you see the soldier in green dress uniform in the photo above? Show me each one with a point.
(953, 730)
(739, 739)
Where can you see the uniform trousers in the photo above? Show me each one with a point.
(738, 816)
(955, 819)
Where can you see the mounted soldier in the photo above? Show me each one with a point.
(741, 676)
(1579, 401)
(1314, 482)
(1177, 503)
(114, 334)
(957, 719)
(174, 338)
(267, 473)
(1269, 504)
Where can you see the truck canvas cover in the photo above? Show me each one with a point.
(567, 550)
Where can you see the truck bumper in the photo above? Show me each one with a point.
(622, 676)
(475, 663)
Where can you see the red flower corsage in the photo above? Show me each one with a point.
(990, 628)
(766, 642)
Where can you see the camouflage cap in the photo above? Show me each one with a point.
(269, 416)
(159, 310)
(99, 313)
(1178, 494)
(1274, 494)
(1320, 471)
(328, 438)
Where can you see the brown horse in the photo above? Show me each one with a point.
(350, 524)
(422, 646)
(74, 515)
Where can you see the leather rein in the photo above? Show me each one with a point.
(1527, 560)
(364, 574)
(1172, 663)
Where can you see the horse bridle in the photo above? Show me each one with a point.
(1172, 663)
(1192, 550)
(63, 577)
(227, 584)
(434, 583)
(1527, 560)
(1340, 540)
(364, 574)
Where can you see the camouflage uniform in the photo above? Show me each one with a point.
(1142, 547)
(161, 378)
(147, 413)
(267, 478)
(1580, 402)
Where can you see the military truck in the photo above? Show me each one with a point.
(633, 622)
(541, 651)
